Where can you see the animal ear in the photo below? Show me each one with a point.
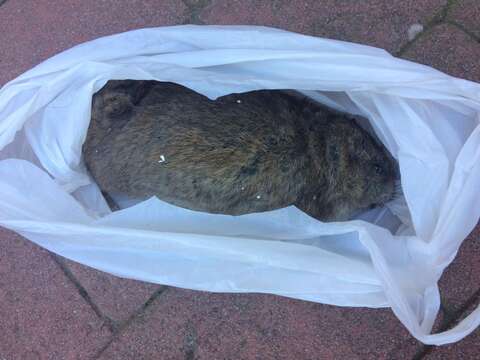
(139, 89)
(117, 104)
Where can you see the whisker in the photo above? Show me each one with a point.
(398, 190)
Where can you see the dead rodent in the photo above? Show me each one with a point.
(242, 153)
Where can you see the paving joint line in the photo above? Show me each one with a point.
(190, 342)
(440, 18)
(450, 321)
(83, 292)
(448, 7)
(120, 327)
(464, 29)
(426, 30)
(193, 11)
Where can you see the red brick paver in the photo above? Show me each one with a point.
(195, 325)
(461, 279)
(467, 14)
(42, 315)
(33, 30)
(449, 49)
(115, 297)
(377, 22)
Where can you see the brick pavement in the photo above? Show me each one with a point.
(51, 308)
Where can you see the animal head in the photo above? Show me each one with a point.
(361, 172)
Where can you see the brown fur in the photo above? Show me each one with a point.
(241, 153)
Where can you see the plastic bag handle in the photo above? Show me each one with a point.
(458, 332)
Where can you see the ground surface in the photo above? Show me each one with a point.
(51, 308)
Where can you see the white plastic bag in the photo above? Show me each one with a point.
(428, 120)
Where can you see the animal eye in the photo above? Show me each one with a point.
(378, 169)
